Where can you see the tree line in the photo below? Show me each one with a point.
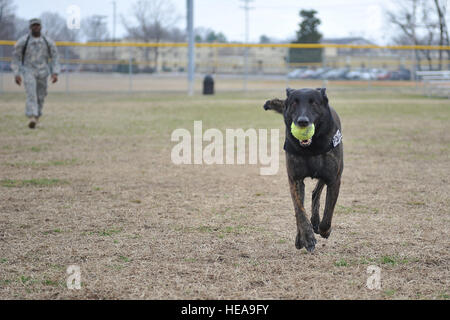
(414, 22)
(147, 21)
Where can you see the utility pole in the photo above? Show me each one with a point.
(246, 8)
(191, 44)
(1, 70)
(414, 69)
(114, 28)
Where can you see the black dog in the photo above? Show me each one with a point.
(320, 158)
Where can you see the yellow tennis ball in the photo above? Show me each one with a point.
(302, 133)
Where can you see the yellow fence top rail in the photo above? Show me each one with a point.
(238, 45)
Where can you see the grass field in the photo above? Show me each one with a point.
(94, 186)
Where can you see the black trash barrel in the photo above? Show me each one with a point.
(208, 85)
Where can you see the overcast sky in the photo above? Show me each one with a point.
(277, 19)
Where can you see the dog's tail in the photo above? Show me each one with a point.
(275, 105)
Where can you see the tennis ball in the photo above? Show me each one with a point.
(302, 133)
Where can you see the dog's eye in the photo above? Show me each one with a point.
(311, 101)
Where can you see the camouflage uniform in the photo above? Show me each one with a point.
(35, 69)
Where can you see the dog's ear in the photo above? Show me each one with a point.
(289, 91)
(275, 105)
(323, 94)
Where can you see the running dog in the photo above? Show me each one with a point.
(320, 157)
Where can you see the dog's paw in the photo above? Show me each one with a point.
(316, 229)
(315, 220)
(308, 241)
(324, 233)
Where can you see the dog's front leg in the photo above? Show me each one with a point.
(315, 217)
(305, 235)
(330, 202)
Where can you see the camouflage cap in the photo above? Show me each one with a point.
(35, 21)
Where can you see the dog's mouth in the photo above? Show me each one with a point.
(305, 143)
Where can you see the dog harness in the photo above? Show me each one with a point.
(337, 138)
(307, 151)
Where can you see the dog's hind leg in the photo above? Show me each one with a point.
(315, 217)
(305, 235)
(332, 195)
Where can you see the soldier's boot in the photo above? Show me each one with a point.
(32, 123)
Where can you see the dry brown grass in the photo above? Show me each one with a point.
(94, 186)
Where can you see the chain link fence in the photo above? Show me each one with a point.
(162, 67)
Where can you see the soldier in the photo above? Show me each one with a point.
(31, 56)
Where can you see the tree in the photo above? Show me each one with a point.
(176, 35)
(209, 35)
(200, 33)
(7, 20)
(21, 27)
(55, 27)
(443, 30)
(264, 39)
(308, 33)
(405, 19)
(420, 23)
(95, 28)
(216, 37)
(152, 21)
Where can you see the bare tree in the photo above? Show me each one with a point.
(441, 8)
(420, 24)
(7, 20)
(430, 25)
(405, 19)
(95, 28)
(152, 21)
(55, 27)
(21, 27)
(176, 35)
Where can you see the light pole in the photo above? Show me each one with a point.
(246, 8)
(114, 28)
(191, 44)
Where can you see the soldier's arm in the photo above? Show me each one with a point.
(55, 67)
(16, 63)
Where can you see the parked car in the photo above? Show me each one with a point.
(307, 74)
(401, 74)
(5, 66)
(319, 73)
(70, 67)
(296, 73)
(361, 74)
(335, 74)
(383, 75)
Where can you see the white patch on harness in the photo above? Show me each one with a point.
(337, 138)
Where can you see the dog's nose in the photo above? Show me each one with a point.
(303, 121)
